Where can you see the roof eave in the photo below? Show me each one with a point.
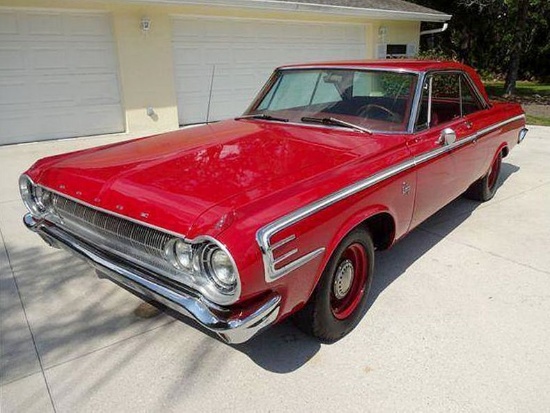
(308, 7)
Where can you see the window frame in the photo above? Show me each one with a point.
(428, 77)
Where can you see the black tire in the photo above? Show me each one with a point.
(485, 188)
(331, 312)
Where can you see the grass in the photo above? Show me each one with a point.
(523, 88)
(537, 120)
(526, 92)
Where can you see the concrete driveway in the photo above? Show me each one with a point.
(459, 321)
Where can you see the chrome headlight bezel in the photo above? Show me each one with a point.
(34, 197)
(193, 260)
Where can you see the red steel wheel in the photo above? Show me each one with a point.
(340, 297)
(349, 282)
(485, 187)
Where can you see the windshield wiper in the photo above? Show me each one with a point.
(262, 116)
(337, 122)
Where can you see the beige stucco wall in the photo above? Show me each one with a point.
(145, 62)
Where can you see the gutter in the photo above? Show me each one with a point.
(308, 7)
(434, 31)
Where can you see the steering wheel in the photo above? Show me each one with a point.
(375, 111)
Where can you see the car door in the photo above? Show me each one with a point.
(442, 145)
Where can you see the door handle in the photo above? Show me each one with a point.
(468, 124)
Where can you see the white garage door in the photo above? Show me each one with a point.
(241, 54)
(58, 76)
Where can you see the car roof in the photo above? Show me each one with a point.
(393, 64)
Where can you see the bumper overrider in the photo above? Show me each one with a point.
(232, 327)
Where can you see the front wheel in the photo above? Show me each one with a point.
(485, 188)
(340, 298)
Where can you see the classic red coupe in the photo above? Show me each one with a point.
(241, 223)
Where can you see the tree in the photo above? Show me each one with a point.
(516, 49)
(501, 37)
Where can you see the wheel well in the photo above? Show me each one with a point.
(505, 152)
(382, 230)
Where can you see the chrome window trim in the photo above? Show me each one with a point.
(415, 110)
(264, 234)
(482, 100)
(352, 67)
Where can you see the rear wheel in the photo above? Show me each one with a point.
(485, 188)
(340, 298)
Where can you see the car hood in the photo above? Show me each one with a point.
(169, 180)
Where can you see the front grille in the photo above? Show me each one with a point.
(135, 242)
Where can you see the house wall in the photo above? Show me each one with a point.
(146, 70)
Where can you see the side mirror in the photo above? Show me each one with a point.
(448, 137)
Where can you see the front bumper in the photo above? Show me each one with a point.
(230, 326)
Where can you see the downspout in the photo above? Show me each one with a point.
(434, 31)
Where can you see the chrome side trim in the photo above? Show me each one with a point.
(264, 234)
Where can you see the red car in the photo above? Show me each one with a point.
(241, 223)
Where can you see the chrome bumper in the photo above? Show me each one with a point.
(231, 327)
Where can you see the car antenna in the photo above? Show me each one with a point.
(210, 94)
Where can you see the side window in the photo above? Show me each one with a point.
(470, 102)
(445, 97)
(441, 100)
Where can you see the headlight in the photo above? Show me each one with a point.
(221, 270)
(35, 198)
(206, 266)
(180, 254)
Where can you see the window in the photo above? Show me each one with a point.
(392, 85)
(376, 99)
(470, 102)
(396, 49)
(298, 89)
(446, 96)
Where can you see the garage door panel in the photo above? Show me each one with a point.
(44, 24)
(11, 58)
(47, 58)
(13, 92)
(99, 89)
(58, 76)
(89, 26)
(244, 53)
(96, 57)
(8, 22)
(53, 91)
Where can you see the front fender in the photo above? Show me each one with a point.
(351, 223)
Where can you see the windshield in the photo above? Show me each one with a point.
(374, 100)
